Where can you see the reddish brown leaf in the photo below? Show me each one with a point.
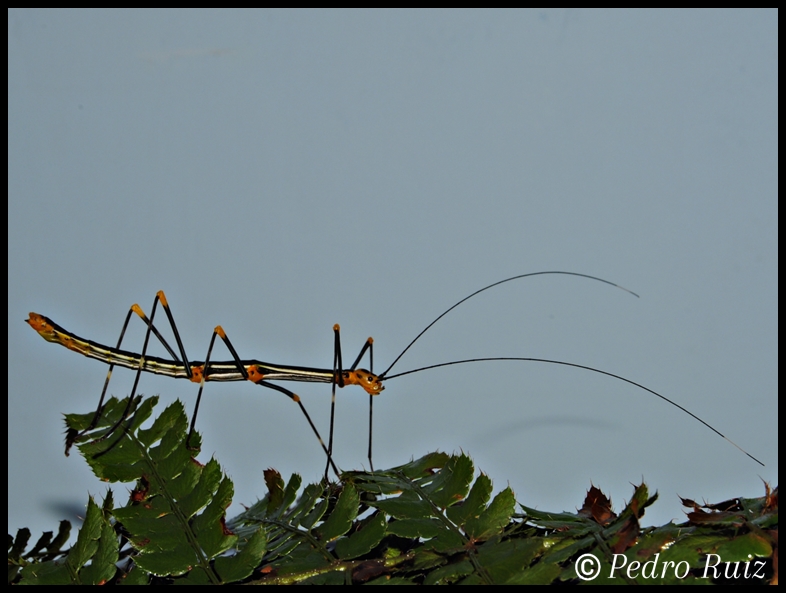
(687, 502)
(271, 478)
(698, 516)
(224, 528)
(626, 536)
(727, 505)
(140, 493)
(770, 499)
(597, 506)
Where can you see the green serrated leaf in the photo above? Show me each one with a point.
(494, 519)
(504, 560)
(405, 509)
(116, 459)
(236, 568)
(451, 485)
(566, 520)
(52, 572)
(569, 546)
(316, 514)
(423, 466)
(201, 493)
(143, 412)
(344, 513)
(416, 528)
(303, 560)
(744, 548)
(283, 542)
(87, 539)
(167, 562)
(182, 486)
(171, 453)
(364, 539)
(426, 559)
(475, 503)
(310, 507)
(102, 568)
(110, 414)
(447, 541)
(210, 527)
(290, 493)
(80, 422)
(378, 483)
(154, 520)
(450, 573)
(639, 501)
(441, 530)
(161, 536)
(136, 576)
(90, 561)
(173, 417)
(542, 573)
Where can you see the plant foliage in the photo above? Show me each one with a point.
(429, 521)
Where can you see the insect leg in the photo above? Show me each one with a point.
(296, 398)
(369, 345)
(73, 435)
(338, 378)
(160, 298)
(201, 373)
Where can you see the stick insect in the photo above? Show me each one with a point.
(263, 373)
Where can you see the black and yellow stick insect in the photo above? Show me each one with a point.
(263, 373)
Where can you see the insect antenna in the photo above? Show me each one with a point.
(586, 368)
(384, 374)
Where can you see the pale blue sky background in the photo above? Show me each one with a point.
(281, 171)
